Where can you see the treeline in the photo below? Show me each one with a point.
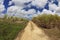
(47, 21)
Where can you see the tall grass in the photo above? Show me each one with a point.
(10, 26)
(47, 21)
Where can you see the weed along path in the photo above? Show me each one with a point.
(32, 32)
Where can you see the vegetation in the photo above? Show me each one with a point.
(47, 21)
(10, 26)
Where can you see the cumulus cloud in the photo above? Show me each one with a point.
(47, 12)
(10, 2)
(1, 1)
(39, 3)
(20, 2)
(23, 13)
(1, 8)
(58, 11)
(52, 7)
(59, 4)
(19, 5)
(33, 2)
(17, 9)
(31, 11)
(12, 10)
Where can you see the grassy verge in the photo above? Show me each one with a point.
(9, 27)
(47, 21)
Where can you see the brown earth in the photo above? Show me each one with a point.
(33, 32)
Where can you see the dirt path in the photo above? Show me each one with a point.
(32, 32)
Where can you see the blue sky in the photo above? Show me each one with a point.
(30, 8)
(6, 2)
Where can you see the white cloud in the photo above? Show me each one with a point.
(25, 14)
(12, 10)
(34, 2)
(10, 2)
(58, 11)
(19, 5)
(47, 12)
(52, 7)
(17, 11)
(59, 4)
(20, 2)
(39, 3)
(31, 11)
(1, 8)
(1, 1)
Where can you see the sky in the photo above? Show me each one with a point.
(29, 8)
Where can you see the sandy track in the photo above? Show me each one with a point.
(32, 32)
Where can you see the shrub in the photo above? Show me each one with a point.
(47, 20)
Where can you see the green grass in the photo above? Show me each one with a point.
(10, 27)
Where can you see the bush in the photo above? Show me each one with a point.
(47, 21)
